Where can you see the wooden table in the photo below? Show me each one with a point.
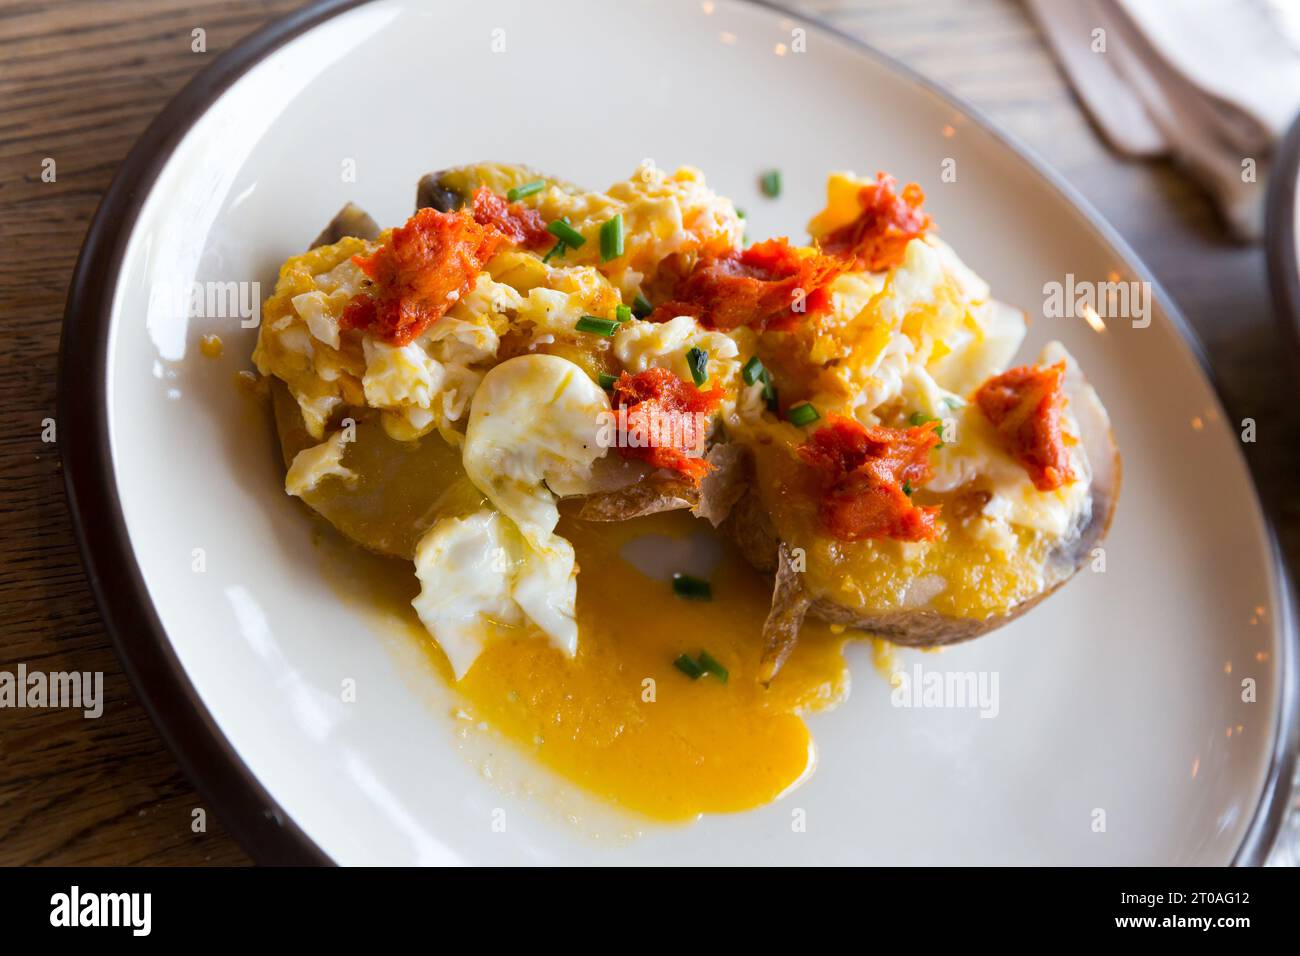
(80, 79)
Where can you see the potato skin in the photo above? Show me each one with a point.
(351, 220)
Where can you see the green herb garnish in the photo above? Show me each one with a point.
(641, 306)
(753, 371)
(611, 238)
(703, 663)
(711, 665)
(771, 183)
(561, 230)
(623, 314)
(556, 250)
(698, 361)
(693, 589)
(597, 326)
(527, 189)
(606, 381)
(688, 667)
(802, 414)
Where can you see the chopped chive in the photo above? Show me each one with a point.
(698, 360)
(771, 183)
(556, 250)
(641, 306)
(753, 372)
(740, 213)
(693, 589)
(802, 414)
(611, 238)
(907, 488)
(688, 667)
(623, 313)
(917, 419)
(606, 381)
(527, 189)
(769, 392)
(597, 326)
(711, 665)
(938, 430)
(560, 229)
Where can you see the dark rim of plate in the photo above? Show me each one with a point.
(183, 721)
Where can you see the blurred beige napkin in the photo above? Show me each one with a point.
(1214, 83)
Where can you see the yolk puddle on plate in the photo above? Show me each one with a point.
(625, 724)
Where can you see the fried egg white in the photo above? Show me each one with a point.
(533, 433)
(477, 571)
(534, 429)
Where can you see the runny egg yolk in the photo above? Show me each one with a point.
(619, 719)
(622, 721)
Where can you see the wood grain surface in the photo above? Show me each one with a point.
(79, 81)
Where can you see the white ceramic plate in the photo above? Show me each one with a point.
(1122, 694)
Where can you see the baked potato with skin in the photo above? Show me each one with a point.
(402, 488)
(407, 486)
(751, 526)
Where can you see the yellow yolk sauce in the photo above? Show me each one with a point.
(622, 721)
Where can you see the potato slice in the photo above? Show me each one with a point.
(402, 488)
(752, 528)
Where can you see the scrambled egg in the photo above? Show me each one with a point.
(668, 219)
(312, 465)
(644, 345)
